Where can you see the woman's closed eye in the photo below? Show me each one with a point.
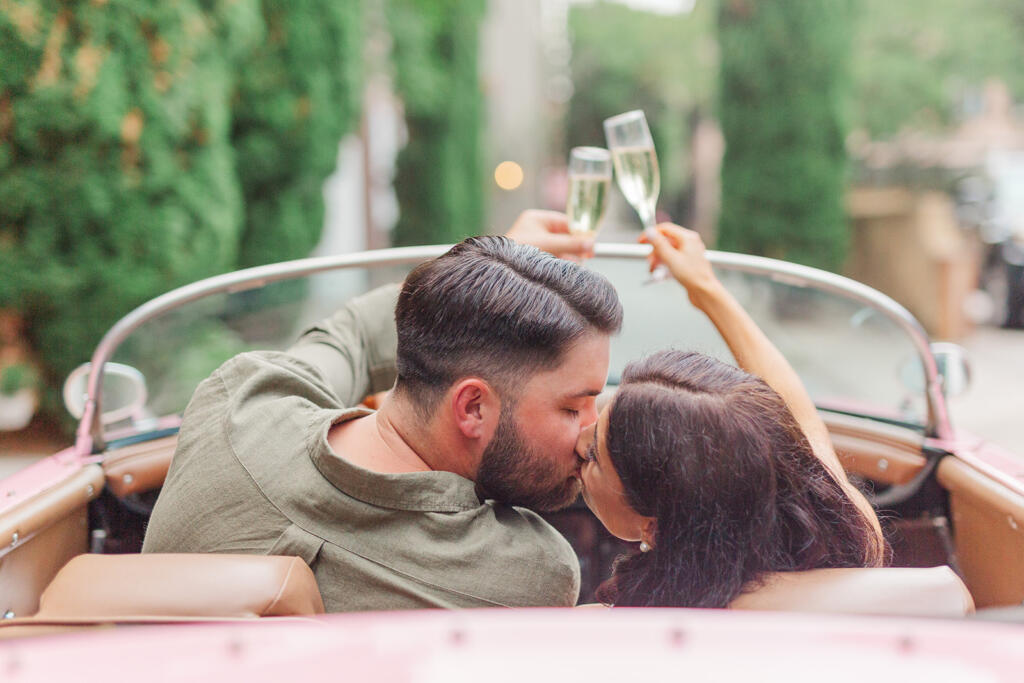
(591, 453)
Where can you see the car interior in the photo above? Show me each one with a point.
(51, 580)
(70, 558)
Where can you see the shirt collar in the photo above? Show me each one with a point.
(413, 491)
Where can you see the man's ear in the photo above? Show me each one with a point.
(475, 407)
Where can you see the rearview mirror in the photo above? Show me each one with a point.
(124, 392)
(953, 366)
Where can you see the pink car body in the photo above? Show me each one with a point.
(528, 645)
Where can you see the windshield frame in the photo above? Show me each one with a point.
(91, 439)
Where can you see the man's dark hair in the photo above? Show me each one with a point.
(496, 309)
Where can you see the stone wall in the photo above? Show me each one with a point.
(909, 246)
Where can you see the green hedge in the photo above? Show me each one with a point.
(784, 103)
(116, 173)
(439, 179)
(146, 144)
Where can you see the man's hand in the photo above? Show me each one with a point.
(549, 230)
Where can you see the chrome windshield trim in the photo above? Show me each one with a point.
(90, 429)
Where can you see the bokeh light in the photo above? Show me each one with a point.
(508, 175)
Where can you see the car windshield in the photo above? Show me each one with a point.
(852, 357)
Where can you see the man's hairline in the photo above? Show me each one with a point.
(514, 390)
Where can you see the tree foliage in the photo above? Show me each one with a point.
(298, 92)
(918, 63)
(625, 59)
(439, 177)
(784, 101)
(147, 144)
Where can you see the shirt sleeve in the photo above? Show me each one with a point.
(355, 349)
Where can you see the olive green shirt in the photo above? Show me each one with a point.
(253, 473)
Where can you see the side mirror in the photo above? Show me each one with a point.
(953, 366)
(124, 392)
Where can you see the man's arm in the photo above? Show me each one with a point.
(354, 349)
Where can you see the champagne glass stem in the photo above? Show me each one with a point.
(646, 213)
(660, 272)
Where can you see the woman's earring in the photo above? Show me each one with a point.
(644, 546)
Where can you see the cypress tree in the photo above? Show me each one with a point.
(784, 99)
(297, 94)
(439, 176)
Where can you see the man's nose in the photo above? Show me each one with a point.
(588, 416)
(583, 440)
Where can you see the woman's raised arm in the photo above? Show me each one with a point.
(683, 252)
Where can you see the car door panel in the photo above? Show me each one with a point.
(988, 530)
(41, 535)
(876, 451)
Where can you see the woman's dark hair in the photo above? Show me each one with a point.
(497, 309)
(715, 456)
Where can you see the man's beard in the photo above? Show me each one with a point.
(512, 472)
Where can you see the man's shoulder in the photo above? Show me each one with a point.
(246, 408)
(249, 364)
(255, 377)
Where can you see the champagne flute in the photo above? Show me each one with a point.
(590, 177)
(636, 168)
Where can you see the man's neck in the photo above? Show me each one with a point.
(393, 440)
(375, 443)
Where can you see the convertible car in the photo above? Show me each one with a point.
(74, 591)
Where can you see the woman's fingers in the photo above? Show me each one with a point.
(675, 235)
(682, 251)
(664, 248)
(666, 239)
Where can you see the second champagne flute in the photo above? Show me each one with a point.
(636, 168)
(590, 176)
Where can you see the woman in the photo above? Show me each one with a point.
(723, 475)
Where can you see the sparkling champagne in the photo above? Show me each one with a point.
(588, 197)
(637, 171)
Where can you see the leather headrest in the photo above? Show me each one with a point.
(109, 587)
(933, 592)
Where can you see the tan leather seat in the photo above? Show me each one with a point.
(134, 588)
(912, 592)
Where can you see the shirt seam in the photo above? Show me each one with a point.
(231, 447)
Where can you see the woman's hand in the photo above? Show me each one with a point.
(683, 252)
(549, 230)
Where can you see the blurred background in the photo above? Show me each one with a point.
(147, 144)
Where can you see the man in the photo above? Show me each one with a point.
(500, 351)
